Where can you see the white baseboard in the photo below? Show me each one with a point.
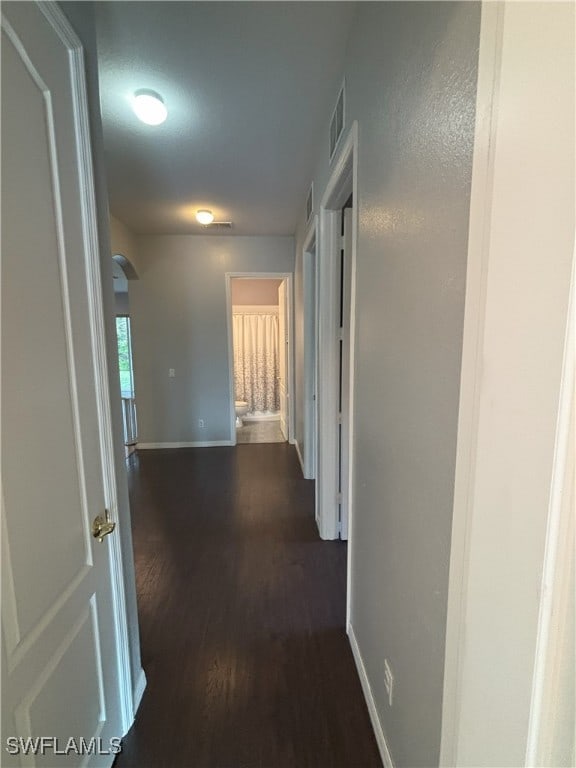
(300, 459)
(139, 689)
(376, 725)
(201, 444)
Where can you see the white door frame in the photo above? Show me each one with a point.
(288, 277)
(557, 590)
(343, 181)
(70, 40)
(500, 51)
(310, 290)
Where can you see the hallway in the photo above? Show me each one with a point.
(242, 612)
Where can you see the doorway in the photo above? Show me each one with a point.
(259, 351)
(124, 343)
(343, 351)
(336, 292)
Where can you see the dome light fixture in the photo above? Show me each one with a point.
(149, 107)
(204, 217)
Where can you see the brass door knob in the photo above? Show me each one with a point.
(102, 526)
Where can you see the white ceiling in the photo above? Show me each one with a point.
(248, 87)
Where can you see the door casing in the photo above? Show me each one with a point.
(310, 288)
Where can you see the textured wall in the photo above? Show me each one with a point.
(178, 314)
(410, 73)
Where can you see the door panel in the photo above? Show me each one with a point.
(57, 610)
(37, 393)
(77, 658)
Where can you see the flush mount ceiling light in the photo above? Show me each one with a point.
(204, 217)
(149, 107)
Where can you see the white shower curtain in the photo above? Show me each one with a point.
(255, 338)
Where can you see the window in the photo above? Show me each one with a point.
(125, 356)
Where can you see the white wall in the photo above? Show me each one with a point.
(179, 320)
(411, 83)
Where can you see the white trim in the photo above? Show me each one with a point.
(291, 399)
(300, 459)
(310, 196)
(558, 523)
(309, 263)
(230, 345)
(197, 444)
(139, 689)
(61, 26)
(332, 152)
(370, 703)
(472, 350)
(288, 277)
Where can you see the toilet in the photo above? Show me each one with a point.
(241, 410)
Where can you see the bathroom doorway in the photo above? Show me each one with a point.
(120, 275)
(259, 344)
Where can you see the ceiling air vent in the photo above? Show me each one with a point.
(219, 225)
(337, 123)
(310, 203)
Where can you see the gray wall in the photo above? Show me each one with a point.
(81, 17)
(410, 82)
(179, 320)
(122, 304)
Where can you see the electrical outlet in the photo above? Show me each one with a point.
(388, 681)
(171, 373)
(201, 423)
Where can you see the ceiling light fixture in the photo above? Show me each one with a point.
(149, 107)
(204, 217)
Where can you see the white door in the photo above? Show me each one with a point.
(60, 675)
(283, 363)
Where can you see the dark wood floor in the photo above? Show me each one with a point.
(242, 611)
